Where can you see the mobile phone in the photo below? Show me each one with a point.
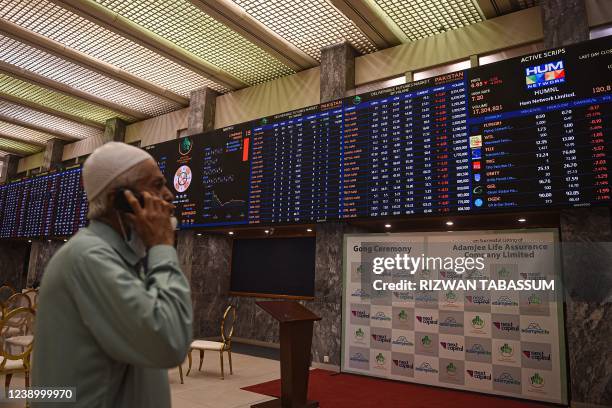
(121, 203)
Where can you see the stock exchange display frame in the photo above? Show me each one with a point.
(521, 134)
(526, 133)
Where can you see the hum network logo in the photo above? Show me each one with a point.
(544, 75)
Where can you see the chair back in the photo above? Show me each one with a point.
(227, 324)
(33, 295)
(22, 318)
(6, 292)
(16, 301)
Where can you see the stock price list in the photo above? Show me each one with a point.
(545, 144)
(295, 166)
(405, 150)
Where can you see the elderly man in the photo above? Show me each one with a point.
(114, 311)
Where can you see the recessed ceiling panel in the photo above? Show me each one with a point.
(57, 101)
(185, 25)
(42, 63)
(13, 146)
(78, 33)
(20, 132)
(423, 18)
(308, 24)
(43, 120)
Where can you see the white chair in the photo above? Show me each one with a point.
(10, 362)
(227, 330)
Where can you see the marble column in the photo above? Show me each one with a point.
(114, 130)
(52, 155)
(337, 71)
(202, 103)
(13, 261)
(586, 235)
(42, 251)
(9, 167)
(40, 254)
(564, 22)
(210, 282)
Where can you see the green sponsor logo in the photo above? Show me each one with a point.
(477, 322)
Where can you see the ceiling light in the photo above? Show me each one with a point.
(450, 223)
(65, 240)
(387, 225)
(199, 234)
(522, 220)
(308, 229)
(231, 232)
(29, 240)
(267, 231)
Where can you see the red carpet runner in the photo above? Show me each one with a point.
(354, 391)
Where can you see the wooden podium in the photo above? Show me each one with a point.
(295, 341)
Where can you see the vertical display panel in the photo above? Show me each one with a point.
(498, 341)
(71, 210)
(181, 165)
(541, 124)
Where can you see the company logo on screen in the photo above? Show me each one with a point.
(547, 74)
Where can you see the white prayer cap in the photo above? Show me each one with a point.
(108, 162)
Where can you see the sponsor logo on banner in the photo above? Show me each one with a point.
(504, 273)
(451, 322)
(507, 379)
(506, 351)
(403, 296)
(534, 299)
(381, 338)
(506, 326)
(537, 355)
(358, 357)
(426, 298)
(360, 314)
(451, 346)
(479, 375)
(425, 367)
(504, 301)
(532, 275)
(427, 320)
(450, 275)
(451, 370)
(360, 336)
(478, 299)
(380, 361)
(450, 296)
(404, 364)
(478, 322)
(534, 328)
(381, 316)
(360, 293)
(426, 342)
(402, 315)
(402, 341)
(478, 349)
(536, 381)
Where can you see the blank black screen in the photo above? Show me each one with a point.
(276, 266)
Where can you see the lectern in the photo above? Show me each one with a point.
(295, 341)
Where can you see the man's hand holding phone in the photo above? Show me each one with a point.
(152, 220)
